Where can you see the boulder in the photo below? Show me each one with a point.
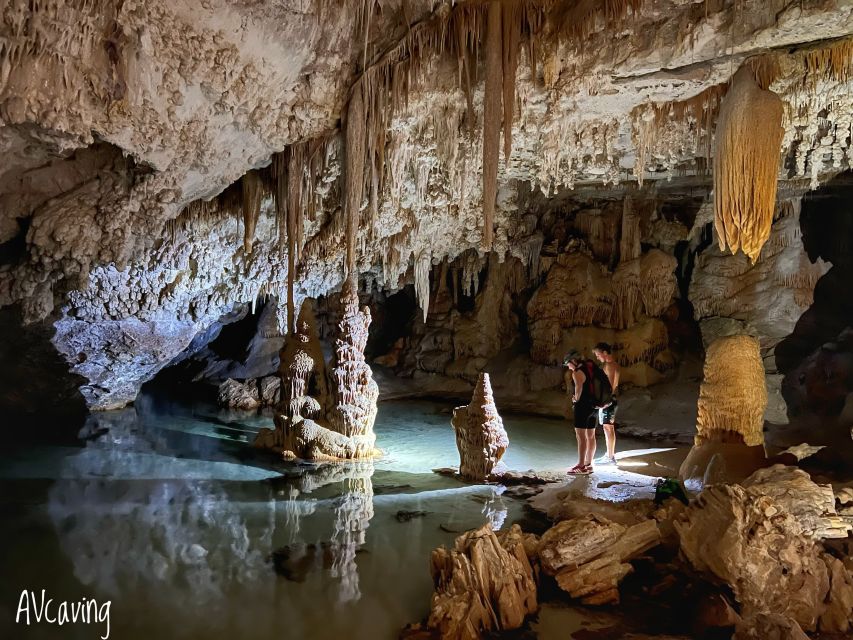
(813, 505)
(234, 394)
(750, 542)
(481, 586)
(589, 556)
(768, 626)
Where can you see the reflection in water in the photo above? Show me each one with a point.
(191, 535)
(149, 535)
(494, 509)
(352, 516)
(184, 533)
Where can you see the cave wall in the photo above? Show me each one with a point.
(816, 359)
(111, 127)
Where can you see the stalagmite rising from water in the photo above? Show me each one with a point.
(746, 165)
(480, 435)
(347, 411)
(355, 392)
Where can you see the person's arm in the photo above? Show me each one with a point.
(577, 380)
(614, 381)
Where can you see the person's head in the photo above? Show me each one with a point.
(572, 360)
(602, 351)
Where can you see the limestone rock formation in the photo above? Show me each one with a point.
(481, 586)
(480, 435)
(354, 392)
(768, 626)
(302, 368)
(732, 398)
(112, 129)
(238, 395)
(582, 303)
(813, 505)
(326, 414)
(589, 556)
(751, 543)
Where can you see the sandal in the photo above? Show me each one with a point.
(579, 470)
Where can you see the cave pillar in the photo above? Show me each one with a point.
(729, 441)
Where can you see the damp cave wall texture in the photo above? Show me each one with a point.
(127, 128)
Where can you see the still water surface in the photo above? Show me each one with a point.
(166, 512)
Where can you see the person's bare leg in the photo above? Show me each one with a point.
(590, 446)
(579, 434)
(610, 438)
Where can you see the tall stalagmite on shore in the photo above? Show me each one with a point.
(729, 438)
(746, 165)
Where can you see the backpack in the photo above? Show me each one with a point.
(597, 385)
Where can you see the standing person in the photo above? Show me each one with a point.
(607, 413)
(584, 413)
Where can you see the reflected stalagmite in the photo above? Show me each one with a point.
(480, 435)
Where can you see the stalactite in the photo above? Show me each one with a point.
(629, 243)
(834, 61)
(421, 267)
(511, 20)
(655, 127)
(294, 227)
(746, 165)
(354, 174)
(252, 197)
(491, 118)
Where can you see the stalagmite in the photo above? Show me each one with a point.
(331, 416)
(729, 443)
(746, 165)
(302, 369)
(480, 435)
(354, 390)
(732, 397)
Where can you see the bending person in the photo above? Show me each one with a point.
(583, 409)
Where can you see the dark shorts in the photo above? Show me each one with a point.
(607, 415)
(585, 415)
